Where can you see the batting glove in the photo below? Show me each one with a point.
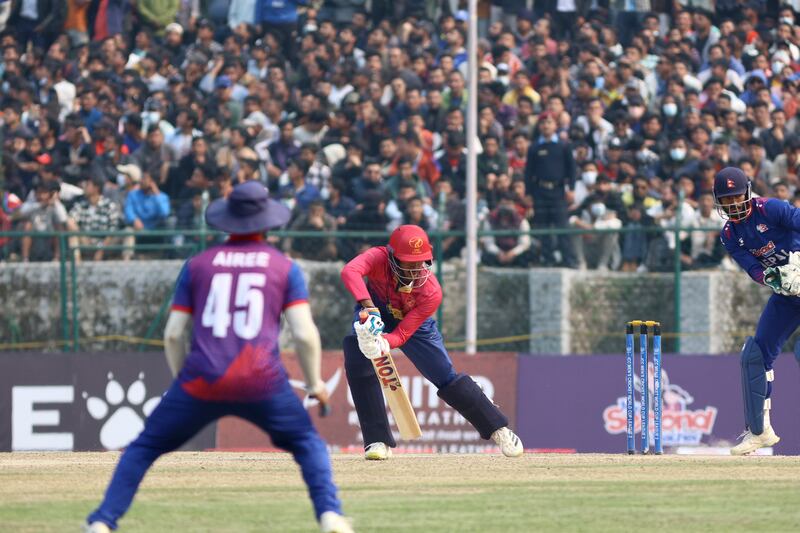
(373, 322)
(367, 342)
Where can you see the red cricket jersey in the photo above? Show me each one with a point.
(410, 308)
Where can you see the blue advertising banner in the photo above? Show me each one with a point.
(577, 403)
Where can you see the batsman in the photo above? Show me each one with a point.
(763, 236)
(400, 296)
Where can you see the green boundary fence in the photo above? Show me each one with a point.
(68, 290)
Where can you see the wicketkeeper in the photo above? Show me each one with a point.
(234, 295)
(763, 236)
(400, 296)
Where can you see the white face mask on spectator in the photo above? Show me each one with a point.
(636, 112)
(670, 109)
(788, 20)
(777, 68)
(151, 117)
(121, 179)
(589, 177)
(677, 154)
(598, 210)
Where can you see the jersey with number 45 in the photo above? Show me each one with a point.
(236, 293)
(765, 238)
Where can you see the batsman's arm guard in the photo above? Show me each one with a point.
(755, 386)
(175, 339)
(307, 344)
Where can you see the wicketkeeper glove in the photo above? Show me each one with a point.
(785, 279)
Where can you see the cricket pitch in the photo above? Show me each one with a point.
(244, 492)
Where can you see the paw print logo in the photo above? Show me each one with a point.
(123, 412)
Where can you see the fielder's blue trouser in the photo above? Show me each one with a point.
(180, 416)
(781, 316)
(425, 349)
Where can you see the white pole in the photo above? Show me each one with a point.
(472, 178)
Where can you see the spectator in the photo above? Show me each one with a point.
(491, 163)
(397, 209)
(599, 210)
(278, 17)
(506, 250)
(338, 204)
(128, 179)
(550, 177)
(74, 153)
(707, 250)
(154, 157)
(38, 21)
(157, 13)
(286, 147)
(319, 174)
(661, 249)
(370, 181)
(313, 248)
(405, 175)
(350, 167)
(298, 194)
(370, 215)
(453, 163)
(9, 203)
(146, 207)
(41, 212)
(787, 164)
(93, 212)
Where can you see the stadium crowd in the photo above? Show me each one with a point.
(133, 115)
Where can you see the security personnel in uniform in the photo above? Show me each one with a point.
(550, 178)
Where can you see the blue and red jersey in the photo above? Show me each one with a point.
(410, 307)
(765, 238)
(236, 293)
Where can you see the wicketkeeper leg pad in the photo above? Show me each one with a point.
(755, 385)
(466, 397)
(367, 395)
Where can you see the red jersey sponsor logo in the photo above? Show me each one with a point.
(767, 249)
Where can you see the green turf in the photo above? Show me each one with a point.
(263, 492)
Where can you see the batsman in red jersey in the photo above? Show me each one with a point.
(401, 296)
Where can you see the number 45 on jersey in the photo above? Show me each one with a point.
(249, 305)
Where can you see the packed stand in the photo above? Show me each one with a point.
(133, 116)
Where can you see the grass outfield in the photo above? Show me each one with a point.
(220, 492)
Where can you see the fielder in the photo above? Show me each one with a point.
(763, 236)
(234, 294)
(400, 296)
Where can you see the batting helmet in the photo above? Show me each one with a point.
(410, 243)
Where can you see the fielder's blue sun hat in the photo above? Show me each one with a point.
(248, 209)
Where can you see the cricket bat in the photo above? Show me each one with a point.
(395, 394)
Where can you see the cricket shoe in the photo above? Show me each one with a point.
(508, 442)
(333, 522)
(751, 442)
(96, 527)
(377, 451)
